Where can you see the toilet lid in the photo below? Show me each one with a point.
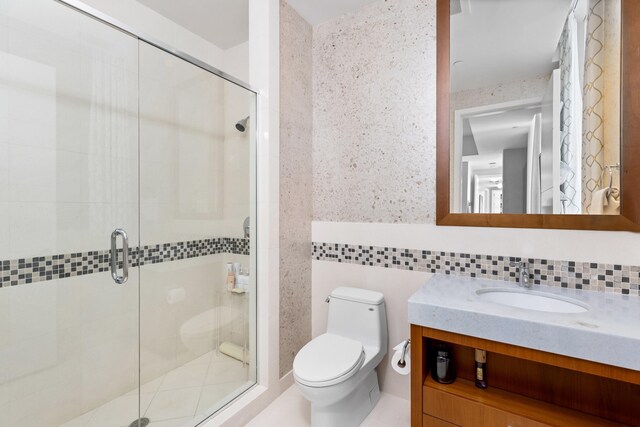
(326, 358)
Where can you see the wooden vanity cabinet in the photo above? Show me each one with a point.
(527, 388)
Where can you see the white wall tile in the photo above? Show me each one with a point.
(32, 174)
(4, 172)
(5, 242)
(33, 229)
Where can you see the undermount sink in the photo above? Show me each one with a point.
(532, 300)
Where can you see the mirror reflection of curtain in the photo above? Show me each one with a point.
(601, 94)
(534, 177)
(571, 123)
(593, 104)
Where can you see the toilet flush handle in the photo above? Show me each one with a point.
(328, 299)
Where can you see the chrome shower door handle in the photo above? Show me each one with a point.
(114, 256)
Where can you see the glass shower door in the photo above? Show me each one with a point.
(197, 163)
(103, 135)
(68, 178)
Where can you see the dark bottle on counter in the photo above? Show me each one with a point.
(481, 368)
(444, 370)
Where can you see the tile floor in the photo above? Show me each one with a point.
(174, 399)
(290, 409)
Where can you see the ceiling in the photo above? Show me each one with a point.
(496, 131)
(497, 41)
(225, 23)
(318, 11)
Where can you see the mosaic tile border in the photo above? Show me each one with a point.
(567, 274)
(38, 269)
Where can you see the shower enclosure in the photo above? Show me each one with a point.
(110, 141)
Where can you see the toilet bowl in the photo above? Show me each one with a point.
(198, 333)
(336, 371)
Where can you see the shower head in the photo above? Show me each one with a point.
(242, 124)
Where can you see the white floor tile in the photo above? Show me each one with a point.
(81, 421)
(174, 398)
(204, 359)
(177, 422)
(150, 387)
(213, 394)
(174, 404)
(225, 371)
(292, 410)
(185, 377)
(120, 411)
(389, 411)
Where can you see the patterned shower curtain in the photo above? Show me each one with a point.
(593, 98)
(571, 119)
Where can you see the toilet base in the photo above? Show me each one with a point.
(353, 409)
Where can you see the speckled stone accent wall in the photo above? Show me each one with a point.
(296, 120)
(503, 92)
(374, 122)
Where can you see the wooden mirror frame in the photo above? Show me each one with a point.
(629, 218)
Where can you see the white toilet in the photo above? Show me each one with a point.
(336, 371)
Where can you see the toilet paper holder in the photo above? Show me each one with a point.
(401, 362)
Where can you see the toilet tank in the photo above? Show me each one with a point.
(359, 314)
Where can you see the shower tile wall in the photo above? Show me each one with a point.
(57, 189)
(68, 177)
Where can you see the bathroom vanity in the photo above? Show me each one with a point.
(572, 362)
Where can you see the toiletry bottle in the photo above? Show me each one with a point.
(481, 368)
(237, 268)
(245, 282)
(231, 277)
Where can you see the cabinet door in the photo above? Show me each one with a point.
(429, 421)
(465, 413)
(454, 409)
(500, 418)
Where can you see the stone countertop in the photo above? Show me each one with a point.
(609, 332)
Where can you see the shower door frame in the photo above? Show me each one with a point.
(81, 7)
(93, 13)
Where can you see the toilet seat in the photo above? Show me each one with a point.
(328, 359)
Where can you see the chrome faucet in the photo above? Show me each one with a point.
(523, 271)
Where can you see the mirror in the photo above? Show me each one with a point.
(535, 107)
(481, 46)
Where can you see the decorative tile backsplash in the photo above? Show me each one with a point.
(37, 269)
(567, 274)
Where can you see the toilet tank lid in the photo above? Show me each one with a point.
(358, 295)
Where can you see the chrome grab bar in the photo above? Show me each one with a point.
(114, 256)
